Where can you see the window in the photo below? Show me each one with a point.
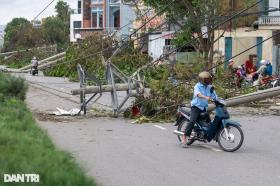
(100, 21)
(114, 1)
(79, 7)
(97, 17)
(97, 9)
(94, 20)
(117, 19)
(96, 1)
(167, 42)
(86, 10)
(266, 6)
(77, 24)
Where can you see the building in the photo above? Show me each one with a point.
(36, 24)
(2, 28)
(157, 32)
(159, 42)
(107, 16)
(234, 41)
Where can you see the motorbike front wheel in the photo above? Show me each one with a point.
(181, 127)
(234, 141)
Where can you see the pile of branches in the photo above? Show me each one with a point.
(171, 87)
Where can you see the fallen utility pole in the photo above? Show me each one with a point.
(60, 55)
(49, 64)
(45, 65)
(130, 85)
(25, 50)
(104, 88)
(256, 96)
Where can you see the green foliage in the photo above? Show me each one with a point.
(20, 34)
(56, 28)
(62, 10)
(189, 16)
(54, 31)
(87, 53)
(12, 87)
(165, 95)
(184, 36)
(22, 59)
(25, 148)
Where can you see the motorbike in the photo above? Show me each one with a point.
(272, 81)
(222, 129)
(34, 71)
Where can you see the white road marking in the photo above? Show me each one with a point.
(162, 128)
(203, 145)
(212, 148)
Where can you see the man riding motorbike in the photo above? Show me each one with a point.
(34, 62)
(34, 66)
(203, 92)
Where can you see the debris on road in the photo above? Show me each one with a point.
(72, 112)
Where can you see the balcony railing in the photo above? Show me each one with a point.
(269, 20)
(115, 1)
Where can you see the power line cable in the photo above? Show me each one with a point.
(232, 17)
(43, 10)
(100, 52)
(200, 36)
(233, 58)
(145, 66)
(104, 50)
(143, 25)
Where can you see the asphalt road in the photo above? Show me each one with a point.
(118, 153)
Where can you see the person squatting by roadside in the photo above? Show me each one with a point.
(203, 92)
(240, 74)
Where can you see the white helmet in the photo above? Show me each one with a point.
(263, 62)
(34, 58)
(267, 62)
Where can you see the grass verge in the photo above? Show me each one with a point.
(26, 149)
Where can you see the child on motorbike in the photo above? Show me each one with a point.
(203, 92)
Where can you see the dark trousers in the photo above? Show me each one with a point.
(195, 112)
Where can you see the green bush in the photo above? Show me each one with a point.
(11, 86)
(26, 149)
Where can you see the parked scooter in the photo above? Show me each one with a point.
(226, 132)
(273, 81)
(34, 70)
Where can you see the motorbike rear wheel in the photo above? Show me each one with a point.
(181, 127)
(235, 141)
